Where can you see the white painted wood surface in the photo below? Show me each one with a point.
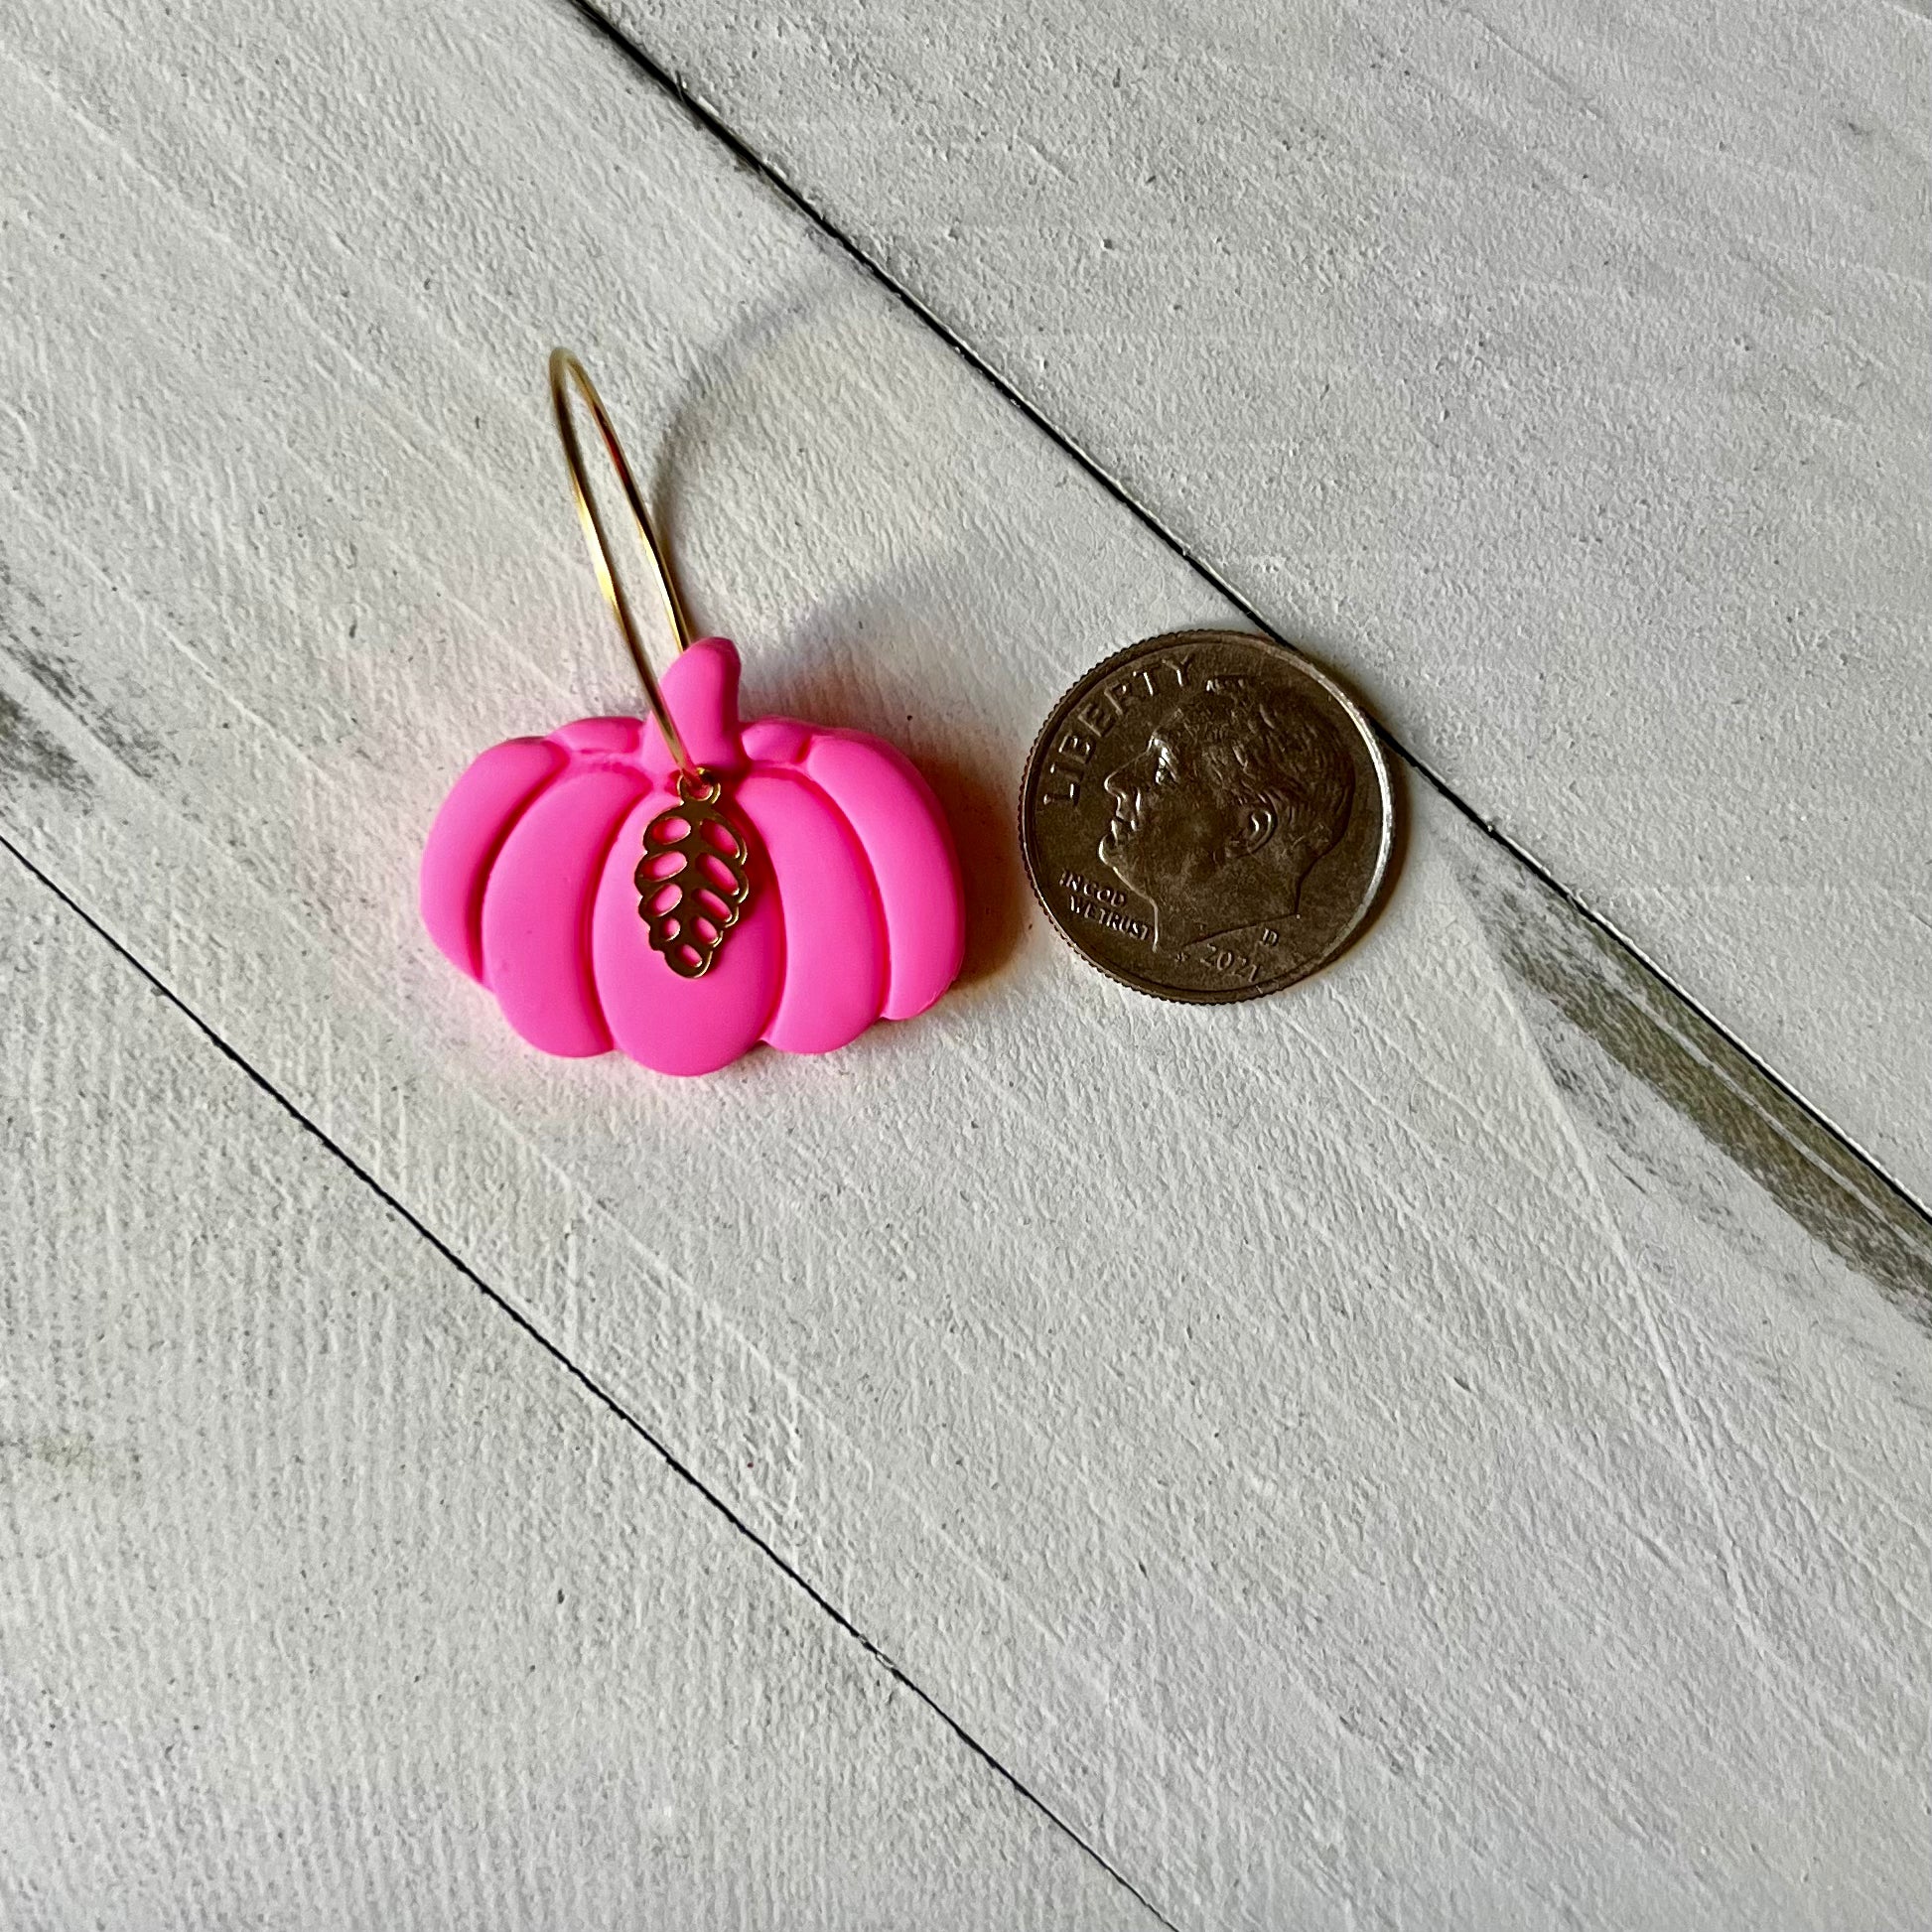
(1559, 372)
(330, 1599)
(1444, 1445)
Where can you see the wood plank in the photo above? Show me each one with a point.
(331, 1598)
(1445, 1444)
(1558, 377)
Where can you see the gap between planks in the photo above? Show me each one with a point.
(591, 1385)
(711, 122)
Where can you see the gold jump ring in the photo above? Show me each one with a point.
(566, 369)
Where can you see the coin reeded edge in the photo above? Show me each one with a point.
(1378, 760)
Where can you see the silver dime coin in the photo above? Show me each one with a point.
(1206, 816)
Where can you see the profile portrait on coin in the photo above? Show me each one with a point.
(1218, 822)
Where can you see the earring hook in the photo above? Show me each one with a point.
(566, 369)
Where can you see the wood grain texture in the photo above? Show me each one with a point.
(1437, 1447)
(331, 1600)
(1558, 375)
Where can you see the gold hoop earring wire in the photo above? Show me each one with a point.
(566, 371)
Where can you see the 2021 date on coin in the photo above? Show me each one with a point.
(1206, 816)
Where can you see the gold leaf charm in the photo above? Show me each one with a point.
(695, 877)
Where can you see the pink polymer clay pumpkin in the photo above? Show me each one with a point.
(855, 912)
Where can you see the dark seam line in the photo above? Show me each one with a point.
(709, 121)
(587, 1381)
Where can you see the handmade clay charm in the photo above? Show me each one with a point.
(684, 886)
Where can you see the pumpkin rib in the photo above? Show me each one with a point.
(467, 837)
(668, 1023)
(904, 834)
(611, 739)
(535, 931)
(781, 743)
(822, 1004)
(586, 914)
(776, 739)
